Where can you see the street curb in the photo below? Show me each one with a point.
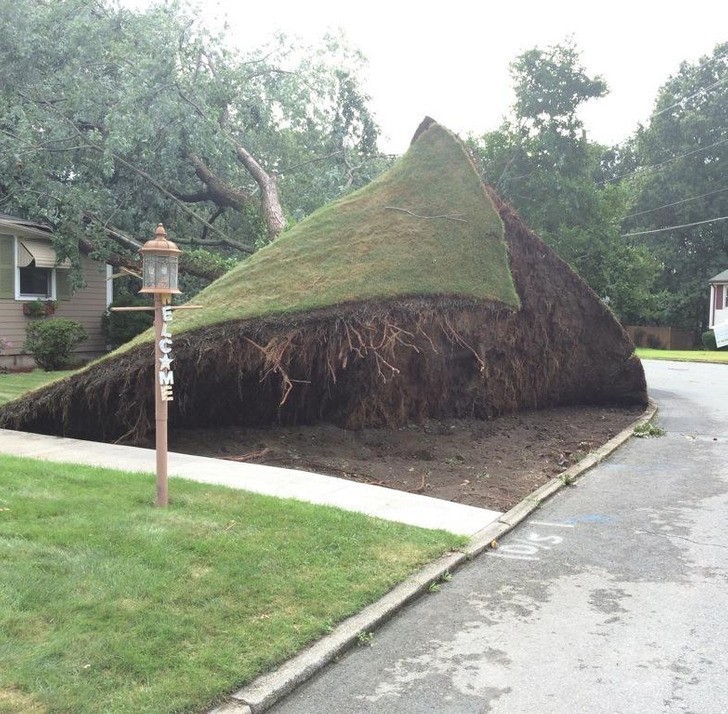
(267, 690)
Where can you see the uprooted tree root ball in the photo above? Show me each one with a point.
(367, 364)
(420, 296)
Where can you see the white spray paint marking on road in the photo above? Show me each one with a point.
(551, 525)
(493, 554)
(528, 547)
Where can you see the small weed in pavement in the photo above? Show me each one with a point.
(365, 639)
(648, 430)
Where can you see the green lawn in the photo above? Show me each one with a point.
(110, 605)
(17, 383)
(684, 355)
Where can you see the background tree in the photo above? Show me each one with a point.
(112, 120)
(541, 161)
(676, 175)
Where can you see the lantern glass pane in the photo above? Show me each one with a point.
(160, 272)
(149, 272)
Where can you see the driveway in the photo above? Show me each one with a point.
(612, 598)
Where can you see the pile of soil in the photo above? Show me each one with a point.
(490, 464)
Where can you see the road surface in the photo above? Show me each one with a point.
(613, 597)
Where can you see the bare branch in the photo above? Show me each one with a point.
(217, 191)
(404, 210)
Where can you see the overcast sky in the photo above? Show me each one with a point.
(449, 60)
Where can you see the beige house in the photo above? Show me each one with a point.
(29, 271)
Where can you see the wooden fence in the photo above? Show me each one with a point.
(666, 338)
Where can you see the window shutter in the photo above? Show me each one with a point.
(7, 267)
(63, 284)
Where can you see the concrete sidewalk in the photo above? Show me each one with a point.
(269, 480)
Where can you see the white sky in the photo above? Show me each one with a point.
(449, 60)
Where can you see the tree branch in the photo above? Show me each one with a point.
(135, 169)
(217, 191)
(269, 200)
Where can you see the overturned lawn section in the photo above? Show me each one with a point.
(530, 335)
(366, 365)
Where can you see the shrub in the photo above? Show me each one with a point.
(51, 341)
(709, 343)
(708, 339)
(653, 342)
(639, 338)
(120, 327)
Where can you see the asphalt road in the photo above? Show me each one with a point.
(612, 598)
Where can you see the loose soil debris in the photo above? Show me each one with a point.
(490, 464)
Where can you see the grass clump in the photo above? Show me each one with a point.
(647, 431)
(108, 604)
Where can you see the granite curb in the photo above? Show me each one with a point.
(267, 690)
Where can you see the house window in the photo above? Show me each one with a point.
(35, 282)
(36, 270)
(725, 297)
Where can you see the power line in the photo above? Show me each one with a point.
(685, 99)
(666, 161)
(670, 228)
(677, 203)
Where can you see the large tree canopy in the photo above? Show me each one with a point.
(675, 170)
(113, 120)
(541, 161)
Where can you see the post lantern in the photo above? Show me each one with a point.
(160, 259)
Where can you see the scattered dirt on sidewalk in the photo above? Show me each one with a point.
(490, 464)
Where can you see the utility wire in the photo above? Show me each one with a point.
(685, 99)
(666, 161)
(677, 203)
(670, 228)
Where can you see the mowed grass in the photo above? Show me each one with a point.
(110, 605)
(719, 357)
(15, 384)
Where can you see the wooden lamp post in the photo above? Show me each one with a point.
(160, 258)
(160, 261)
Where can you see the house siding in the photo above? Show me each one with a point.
(718, 314)
(85, 306)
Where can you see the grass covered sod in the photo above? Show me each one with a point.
(110, 605)
(15, 384)
(425, 227)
